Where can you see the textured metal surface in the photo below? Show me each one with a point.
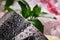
(30, 33)
(11, 25)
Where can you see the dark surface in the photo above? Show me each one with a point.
(11, 25)
(30, 38)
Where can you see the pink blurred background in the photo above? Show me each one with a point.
(52, 26)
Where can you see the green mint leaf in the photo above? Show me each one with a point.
(37, 24)
(25, 9)
(26, 13)
(36, 11)
(26, 4)
(8, 3)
